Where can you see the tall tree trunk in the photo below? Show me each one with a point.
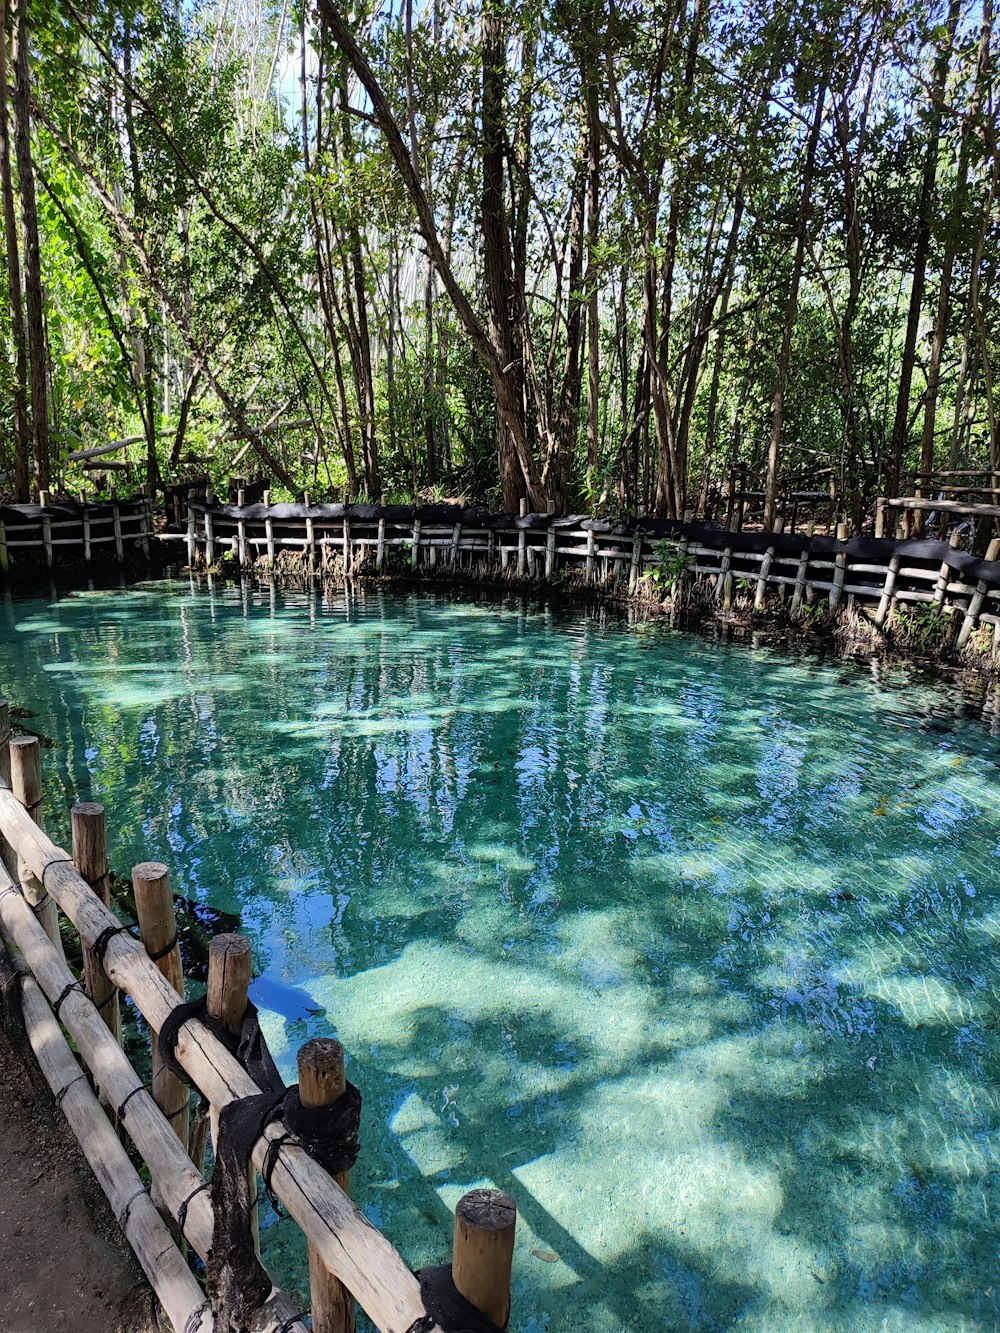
(33, 299)
(22, 430)
(921, 249)
(791, 308)
(593, 274)
(503, 301)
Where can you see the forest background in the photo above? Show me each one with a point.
(591, 252)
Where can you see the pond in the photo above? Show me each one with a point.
(693, 949)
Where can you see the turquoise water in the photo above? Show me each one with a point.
(692, 949)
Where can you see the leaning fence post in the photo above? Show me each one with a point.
(26, 784)
(321, 1083)
(90, 855)
(484, 1251)
(154, 906)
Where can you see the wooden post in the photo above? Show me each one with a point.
(800, 581)
(241, 528)
(116, 519)
(269, 532)
(456, 540)
(944, 573)
(209, 539)
(484, 1251)
(347, 545)
(229, 969)
(43, 500)
(765, 569)
(26, 784)
(880, 518)
(146, 521)
(971, 615)
(522, 542)
(86, 535)
(154, 906)
(633, 574)
(90, 856)
(550, 551)
(190, 536)
(380, 550)
(321, 1083)
(415, 544)
(4, 557)
(839, 570)
(589, 569)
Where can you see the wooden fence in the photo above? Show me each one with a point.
(348, 1258)
(661, 559)
(33, 535)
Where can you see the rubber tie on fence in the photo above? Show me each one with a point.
(123, 1216)
(56, 861)
(64, 995)
(169, 947)
(61, 1094)
(447, 1307)
(194, 1319)
(143, 1087)
(182, 1211)
(100, 945)
(237, 1283)
(289, 1324)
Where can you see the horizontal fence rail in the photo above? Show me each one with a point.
(349, 1259)
(660, 557)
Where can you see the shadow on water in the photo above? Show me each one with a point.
(691, 949)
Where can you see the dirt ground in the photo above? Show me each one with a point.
(64, 1265)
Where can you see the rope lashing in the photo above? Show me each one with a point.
(194, 1319)
(61, 1094)
(289, 1324)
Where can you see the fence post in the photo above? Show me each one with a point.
(415, 545)
(90, 855)
(839, 571)
(190, 536)
(154, 906)
(484, 1251)
(321, 1083)
(229, 968)
(26, 784)
(4, 557)
(43, 500)
(971, 615)
(116, 520)
(380, 550)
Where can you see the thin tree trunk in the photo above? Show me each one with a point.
(791, 308)
(22, 429)
(33, 298)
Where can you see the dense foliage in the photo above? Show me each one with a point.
(598, 253)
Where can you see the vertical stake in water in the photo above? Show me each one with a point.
(7, 856)
(43, 500)
(321, 1083)
(154, 906)
(26, 784)
(485, 1221)
(380, 550)
(90, 856)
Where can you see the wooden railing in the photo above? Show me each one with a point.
(349, 1258)
(82, 531)
(683, 562)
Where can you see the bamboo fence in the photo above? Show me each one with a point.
(349, 1260)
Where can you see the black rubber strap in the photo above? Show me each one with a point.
(57, 861)
(143, 1087)
(289, 1324)
(169, 947)
(64, 995)
(100, 946)
(193, 1320)
(60, 1095)
(182, 1211)
(124, 1214)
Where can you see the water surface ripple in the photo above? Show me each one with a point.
(692, 949)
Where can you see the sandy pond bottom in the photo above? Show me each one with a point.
(693, 950)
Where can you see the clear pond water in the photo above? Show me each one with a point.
(692, 949)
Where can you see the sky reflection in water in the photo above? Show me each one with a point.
(691, 949)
